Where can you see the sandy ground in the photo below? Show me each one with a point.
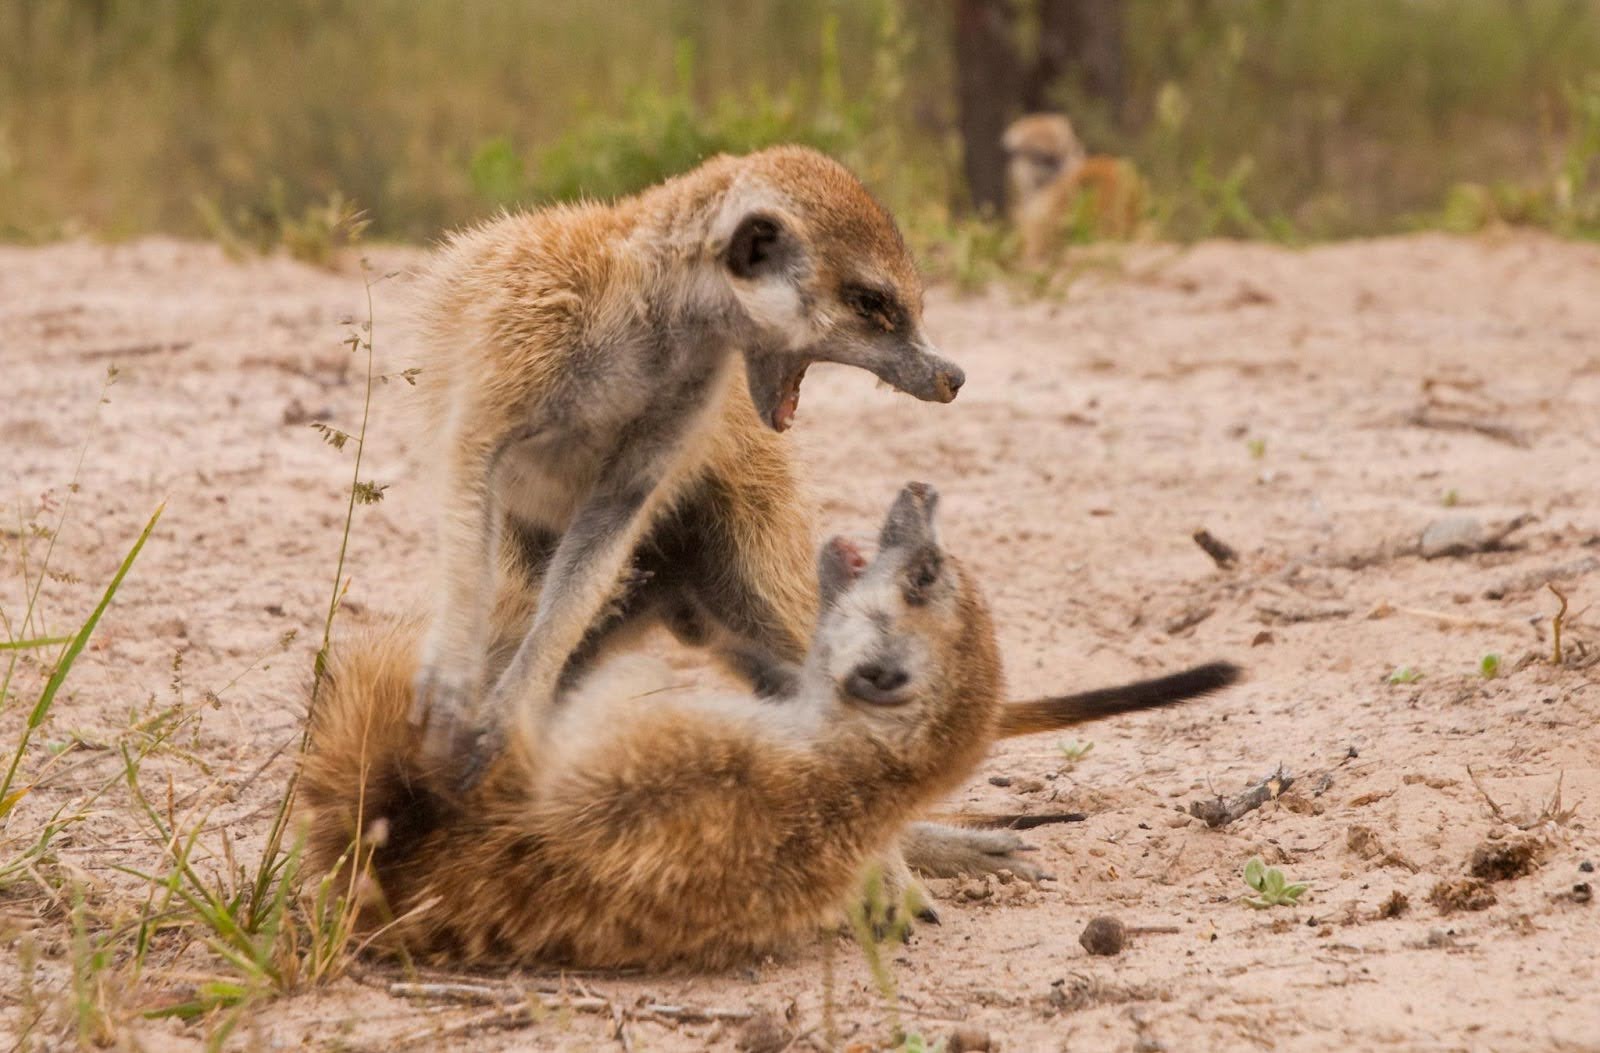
(1315, 409)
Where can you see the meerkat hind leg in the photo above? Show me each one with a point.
(938, 850)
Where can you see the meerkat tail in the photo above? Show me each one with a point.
(365, 778)
(1052, 714)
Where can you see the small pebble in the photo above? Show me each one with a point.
(763, 1033)
(1104, 936)
(1452, 536)
(969, 1038)
(999, 780)
(1586, 866)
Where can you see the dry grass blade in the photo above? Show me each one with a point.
(1557, 623)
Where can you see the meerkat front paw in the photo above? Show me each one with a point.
(938, 850)
(891, 900)
(441, 710)
(440, 698)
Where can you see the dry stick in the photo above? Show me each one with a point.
(1223, 810)
(1297, 615)
(1424, 418)
(455, 992)
(1222, 554)
(494, 1018)
(1493, 805)
(133, 351)
(1188, 619)
(1556, 622)
(1447, 618)
(619, 1029)
(509, 996)
(1020, 821)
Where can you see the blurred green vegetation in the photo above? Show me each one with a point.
(1278, 118)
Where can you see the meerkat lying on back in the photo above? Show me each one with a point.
(621, 829)
(1052, 178)
(583, 375)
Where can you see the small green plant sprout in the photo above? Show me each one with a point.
(1257, 448)
(916, 1043)
(1451, 498)
(1073, 752)
(1271, 887)
(1405, 674)
(1489, 666)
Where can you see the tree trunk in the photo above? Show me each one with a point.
(1081, 38)
(988, 93)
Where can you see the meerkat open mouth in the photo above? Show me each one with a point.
(789, 400)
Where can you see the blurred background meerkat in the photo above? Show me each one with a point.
(1057, 186)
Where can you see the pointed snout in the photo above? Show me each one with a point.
(910, 518)
(912, 366)
(951, 380)
(930, 376)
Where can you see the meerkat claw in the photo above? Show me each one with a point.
(477, 752)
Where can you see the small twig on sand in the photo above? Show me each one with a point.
(1556, 623)
(1427, 418)
(516, 1000)
(619, 1029)
(1026, 822)
(1550, 812)
(691, 1014)
(1276, 614)
(1384, 608)
(516, 1016)
(1220, 811)
(1493, 805)
(1188, 619)
(1222, 554)
(474, 994)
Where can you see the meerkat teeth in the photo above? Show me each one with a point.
(542, 326)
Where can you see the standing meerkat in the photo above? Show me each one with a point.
(582, 373)
(1051, 177)
(624, 830)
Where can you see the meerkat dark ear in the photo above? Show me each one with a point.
(759, 246)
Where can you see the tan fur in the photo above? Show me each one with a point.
(1051, 174)
(638, 826)
(644, 830)
(519, 313)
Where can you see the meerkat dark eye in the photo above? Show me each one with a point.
(922, 574)
(1048, 164)
(874, 306)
